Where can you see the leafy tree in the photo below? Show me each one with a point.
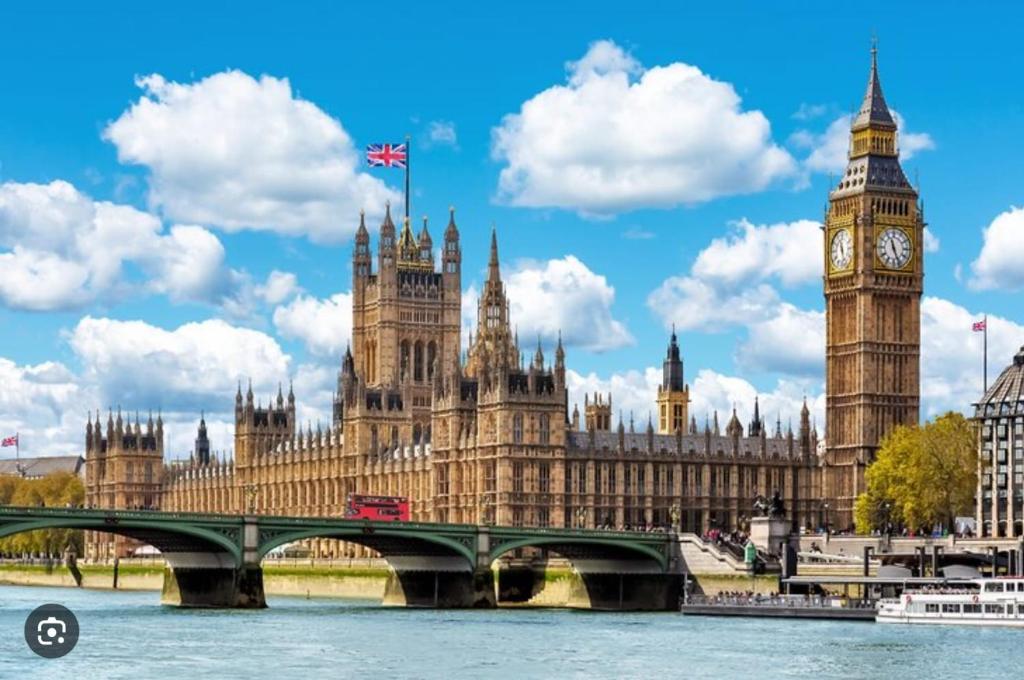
(922, 476)
(56, 490)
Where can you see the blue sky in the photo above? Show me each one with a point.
(163, 238)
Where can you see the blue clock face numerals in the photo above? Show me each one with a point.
(894, 248)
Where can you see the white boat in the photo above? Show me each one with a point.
(977, 602)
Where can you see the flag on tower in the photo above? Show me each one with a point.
(386, 155)
(9, 441)
(979, 326)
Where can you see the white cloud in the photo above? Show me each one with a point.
(1000, 264)
(635, 391)
(189, 368)
(279, 287)
(66, 250)
(617, 137)
(735, 277)
(324, 325)
(632, 391)
(791, 341)
(40, 403)
(688, 301)
(442, 133)
(931, 241)
(951, 354)
(790, 252)
(810, 111)
(829, 150)
(238, 153)
(565, 295)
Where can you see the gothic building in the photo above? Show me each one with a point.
(486, 436)
(874, 271)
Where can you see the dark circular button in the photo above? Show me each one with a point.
(51, 631)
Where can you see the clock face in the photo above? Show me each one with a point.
(841, 250)
(894, 248)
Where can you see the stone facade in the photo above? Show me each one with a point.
(483, 437)
(874, 270)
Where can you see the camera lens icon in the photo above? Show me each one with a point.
(51, 631)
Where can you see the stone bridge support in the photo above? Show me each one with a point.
(216, 579)
(446, 582)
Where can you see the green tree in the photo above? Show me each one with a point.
(922, 476)
(56, 490)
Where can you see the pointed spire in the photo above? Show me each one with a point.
(362, 234)
(493, 270)
(451, 233)
(291, 394)
(873, 110)
(280, 396)
(387, 217)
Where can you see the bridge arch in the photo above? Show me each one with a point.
(390, 541)
(570, 546)
(171, 538)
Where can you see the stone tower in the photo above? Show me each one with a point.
(123, 469)
(406, 316)
(597, 413)
(874, 233)
(673, 393)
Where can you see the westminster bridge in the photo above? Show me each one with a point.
(215, 560)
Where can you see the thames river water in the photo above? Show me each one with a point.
(129, 635)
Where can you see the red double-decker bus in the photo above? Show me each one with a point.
(379, 508)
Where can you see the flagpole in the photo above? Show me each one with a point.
(408, 150)
(985, 358)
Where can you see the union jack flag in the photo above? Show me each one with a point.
(386, 155)
(9, 441)
(978, 326)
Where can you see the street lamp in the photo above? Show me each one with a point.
(675, 513)
(581, 517)
(827, 532)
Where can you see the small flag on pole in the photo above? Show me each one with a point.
(979, 326)
(386, 155)
(9, 441)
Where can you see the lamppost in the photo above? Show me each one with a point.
(827, 532)
(887, 513)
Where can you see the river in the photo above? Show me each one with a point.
(129, 635)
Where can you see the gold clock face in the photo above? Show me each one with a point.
(894, 248)
(841, 249)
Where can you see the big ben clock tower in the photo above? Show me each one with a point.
(874, 269)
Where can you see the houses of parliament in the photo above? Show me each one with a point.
(486, 436)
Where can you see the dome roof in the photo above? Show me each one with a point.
(1006, 395)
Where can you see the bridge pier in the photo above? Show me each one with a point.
(215, 587)
(438, 582)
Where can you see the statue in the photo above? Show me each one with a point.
(773, 508)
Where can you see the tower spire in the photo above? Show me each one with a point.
(874, 110)
(493, 271)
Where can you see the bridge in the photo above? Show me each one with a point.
(215, 560)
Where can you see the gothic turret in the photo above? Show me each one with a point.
(673, 392)
(202, 450)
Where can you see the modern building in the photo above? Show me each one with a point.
(1000, 418)
(874, 276)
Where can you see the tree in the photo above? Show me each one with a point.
(922, 476)
(54, 491)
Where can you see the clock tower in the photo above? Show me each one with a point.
(874, 269)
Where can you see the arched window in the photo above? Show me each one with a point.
(517, 428)
(418, 362)
(416, 433)
(374, 443)
(431, 356)
(545, 428)
(404, 360)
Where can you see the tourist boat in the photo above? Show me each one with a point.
(977, 602)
